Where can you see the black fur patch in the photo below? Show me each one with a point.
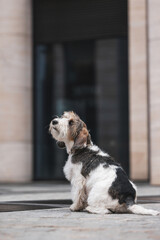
(122, 189)
(90, 160)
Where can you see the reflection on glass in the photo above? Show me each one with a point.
(90, 78)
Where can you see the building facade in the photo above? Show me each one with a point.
(18, 91)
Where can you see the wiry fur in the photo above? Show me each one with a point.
(99, 184)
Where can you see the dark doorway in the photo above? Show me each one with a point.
(81, 71)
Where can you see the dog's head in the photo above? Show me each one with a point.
(70, 131)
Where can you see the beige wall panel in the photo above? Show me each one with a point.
(153, 19)
(138, 90)
(15, 60)
(15, 17)
(15, 114)
(15, 91)
(154, 80)
(15, 162)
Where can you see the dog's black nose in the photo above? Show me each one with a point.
(54, 122)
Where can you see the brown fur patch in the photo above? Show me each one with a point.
(75, 127)
(77, 130)
(81, 140)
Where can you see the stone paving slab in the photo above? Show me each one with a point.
(60, 224)
(34, 191)
(144, 189)
(42, 191)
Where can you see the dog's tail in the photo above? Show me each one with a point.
(141, 210)
(136, 209)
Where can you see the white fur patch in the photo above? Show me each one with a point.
(98, 184)
(68, 169)
(78, 182)
(100, 152)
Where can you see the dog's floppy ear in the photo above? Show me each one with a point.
(61, 144)
(81, 140)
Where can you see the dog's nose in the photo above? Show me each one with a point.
(54, 122)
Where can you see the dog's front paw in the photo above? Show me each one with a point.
(74, 207)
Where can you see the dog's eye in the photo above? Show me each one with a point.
(71, 122)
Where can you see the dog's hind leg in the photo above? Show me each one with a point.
(97, 204)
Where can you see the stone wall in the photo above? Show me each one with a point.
(154, 88)
(138, 103)
(144, 90)
(15, 91)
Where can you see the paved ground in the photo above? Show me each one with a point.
(62, 224)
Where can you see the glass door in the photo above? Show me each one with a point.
(80, 64)
(90, 78)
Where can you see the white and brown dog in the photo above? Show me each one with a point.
(99, 184)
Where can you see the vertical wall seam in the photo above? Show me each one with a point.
(148, 89)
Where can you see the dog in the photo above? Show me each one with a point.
(98, 183)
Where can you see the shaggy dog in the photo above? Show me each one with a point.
(99, 184)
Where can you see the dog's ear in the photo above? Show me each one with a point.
(89, 139)
(61, 144)
(82, 140)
